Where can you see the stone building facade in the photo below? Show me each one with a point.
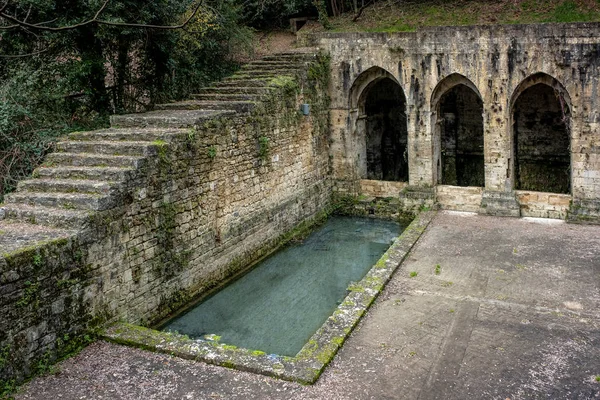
(501, 120)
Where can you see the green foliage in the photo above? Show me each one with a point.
(202, 52)
(37, 260)
(191, 136)
(172, 258)
(30, 295)
(273, 13)
(73, 79)
(212, 152)
(322, 11)
(34, 111)
(320, 70)
(569, 12)
(263, 147)
(413, 274)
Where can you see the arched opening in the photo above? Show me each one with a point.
(541, 115)
(459, 136)
(383, 111)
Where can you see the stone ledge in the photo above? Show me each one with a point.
(381, 188)
(500, 204)
(310, 362)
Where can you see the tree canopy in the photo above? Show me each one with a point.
(67, 65)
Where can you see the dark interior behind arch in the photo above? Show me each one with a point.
(461, 137)
(541, 141)
(386, 131)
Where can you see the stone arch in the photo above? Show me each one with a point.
(541, 135)
(458, 139)
(364, 81)
(381, 126)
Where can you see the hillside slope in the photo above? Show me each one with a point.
(408, 15)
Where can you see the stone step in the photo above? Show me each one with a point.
(92, 160)
(174, 115)
(251, 74)
(272, 66)
(68, 186)
(260, 90)
(131, 135)
(239, 83)
(235, 106)
(65, 201)
(18, 235)
(115, 148)
(295, 56)
(49, 216)
(86, 173)
(228, 97)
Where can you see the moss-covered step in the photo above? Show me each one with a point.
(243, 83)
(116, 148)
(131, 135)
(85, 173)
(237, 90)
(272, 65)
(65, 201)
(16, 237)
(171, 118)
(46, 216)
(92, 160)
(229, 96)
(238, 106)
(68, 186)
(242, 75)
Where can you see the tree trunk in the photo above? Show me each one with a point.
(121, 72)
(90, 51)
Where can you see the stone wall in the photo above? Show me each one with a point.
(498, 63)
(44, 300)
(212, 199)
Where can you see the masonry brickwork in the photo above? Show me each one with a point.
(131, 222)
(496, 64)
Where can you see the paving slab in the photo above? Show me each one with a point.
(512, 312)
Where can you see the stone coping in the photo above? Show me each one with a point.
(310, 362)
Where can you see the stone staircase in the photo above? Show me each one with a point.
(89, 172)
(92, 171)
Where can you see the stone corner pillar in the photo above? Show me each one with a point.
(584, 211)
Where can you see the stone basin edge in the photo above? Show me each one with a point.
(310, 362)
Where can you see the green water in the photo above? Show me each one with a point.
(281, 303)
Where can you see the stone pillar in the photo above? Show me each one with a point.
(498, 196)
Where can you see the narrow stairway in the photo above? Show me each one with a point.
(93, 171)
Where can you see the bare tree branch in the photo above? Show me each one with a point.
(40, 26)
(4, 6)
(17, 23)
(28, 13)
(35, 53)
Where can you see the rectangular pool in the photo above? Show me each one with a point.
(284, 299)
